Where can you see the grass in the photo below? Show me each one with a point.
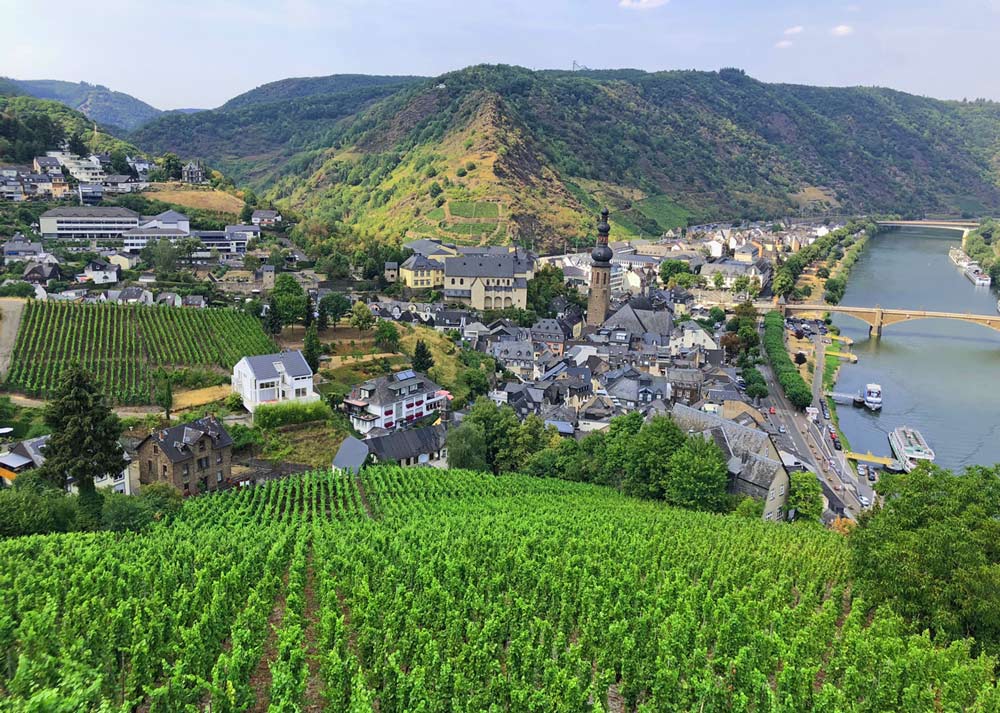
(313, 444)
(464, 209)
(436, 214)
(193, 197)
(200, 397)
(664, 210)
(471, 228)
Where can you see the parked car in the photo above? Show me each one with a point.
(865, 502)
(782, 429)
(772, 411)
(836, 445)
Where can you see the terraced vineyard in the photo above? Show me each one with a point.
(123, 345)
(415, 589)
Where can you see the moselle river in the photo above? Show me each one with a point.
(939, 376)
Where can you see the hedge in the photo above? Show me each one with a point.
(792, 383)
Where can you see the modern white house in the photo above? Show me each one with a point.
(272, 379)
(101, 272)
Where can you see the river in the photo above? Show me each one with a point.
(939, 376)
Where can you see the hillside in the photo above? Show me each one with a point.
(549, 147)
(300, 87)
(103, 105)
(417, 589)
(29, 127)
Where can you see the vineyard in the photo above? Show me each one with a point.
(424, 590)
(124, 345)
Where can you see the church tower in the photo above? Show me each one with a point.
(600, 275)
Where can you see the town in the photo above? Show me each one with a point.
(574, 340)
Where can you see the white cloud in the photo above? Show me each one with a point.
(794, 30)
(842, 31)
(641, 4)
(783, 44)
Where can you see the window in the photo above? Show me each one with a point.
(201, 445)
(218, 476)
(300, 393)
(388, 412)
(218, 458)
(164, 471)
(186, 470)
(155, 449)
(202, 463)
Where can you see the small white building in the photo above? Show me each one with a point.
(100, 272)
(273, 379)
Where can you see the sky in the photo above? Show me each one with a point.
(199, 53)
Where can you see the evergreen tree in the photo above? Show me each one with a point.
(307, 315)
(322, 316)
(423, 360)
(311, 348)
(272, 319)
(164, 393)
(84, 441)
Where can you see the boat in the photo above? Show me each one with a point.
(958, 257)
(873, 397)
(998, 305)
(977, 276)
(909, 447)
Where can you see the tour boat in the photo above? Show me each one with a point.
(873, 397)
(976, 275)
(909, 447)
(958, 257)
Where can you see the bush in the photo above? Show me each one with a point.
(29, 512)
(125, 513)
(792, 383)
(290, 413)
(244, 436)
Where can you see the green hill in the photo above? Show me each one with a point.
(548, 147)
(29, 127)
(103, 105)
(417, 589)
(300, 87)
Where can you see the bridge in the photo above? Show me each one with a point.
(878, 318)
(964, 226)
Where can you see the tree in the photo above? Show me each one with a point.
(647, 456)
(362, 318)
(171, 166)
(77, 145)
(670, 268)
(289, 297)
(500, 432)
(805, 497)
(272, 318)
(119, 163)
(697, 476)
(162, 255)
(164, 395)
(467, 447)
(84, 441)
(476, 382)
(716, 315)
(741, 285)
(336, 306)
(322, 317)
(931, 551)
(422, 358)
(311, 348)
(307, 314)
(387, 336)
(783, 283)
(435, 189)
(718, 280)
(246, 214)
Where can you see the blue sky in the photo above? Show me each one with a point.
(198, 53)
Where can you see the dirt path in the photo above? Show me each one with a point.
(122, 411)
(364, 497)
(335, 361)
(260, 679)
(11, 309)
(313, 699)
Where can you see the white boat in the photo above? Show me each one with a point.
(873, 397)
(977, 276)
(958, 257)
(909, 447)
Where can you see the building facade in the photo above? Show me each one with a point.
(194, 458)
(392, 402)
(273, 379)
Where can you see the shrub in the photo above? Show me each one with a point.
(286, 414)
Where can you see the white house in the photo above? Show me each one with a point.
(100, 272)
(272, 379)
(392, 402)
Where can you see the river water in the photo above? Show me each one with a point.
(939, 376)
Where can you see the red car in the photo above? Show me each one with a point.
(772, 411)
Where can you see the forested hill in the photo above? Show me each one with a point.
(546, 148)
(298, 87)
(29, 127)
(103, 105)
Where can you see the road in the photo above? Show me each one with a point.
(811, 441)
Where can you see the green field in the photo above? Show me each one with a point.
(462, 209)
(664, 211)
(412, 589)
(471, 228)
(123, 345)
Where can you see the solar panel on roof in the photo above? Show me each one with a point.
(406, 374)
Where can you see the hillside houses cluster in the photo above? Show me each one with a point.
(47, 178)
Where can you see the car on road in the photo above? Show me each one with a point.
(836, 444)
(782, 429)
(772, 411)
(865, 502)
(862, 470)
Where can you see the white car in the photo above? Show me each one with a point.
(865, 502)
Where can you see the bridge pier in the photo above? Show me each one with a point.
(879, 323)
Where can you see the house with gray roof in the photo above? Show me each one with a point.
(754, 463)
(272, 379)
(193, 457)
(394, 401)
(20, 248)
(351, 456)
(415, 446)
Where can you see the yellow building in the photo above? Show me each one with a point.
(421, 273)
(488, 281)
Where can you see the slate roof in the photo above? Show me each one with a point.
(262, 367)
(170, 216)
(739, 440)
(90, 212)
(389, 389)
(265, 214)
(480, 266)
(176, 442)
(419, 262)
(410, 443)
(640, 321)
(351, 455)
(513, 350)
